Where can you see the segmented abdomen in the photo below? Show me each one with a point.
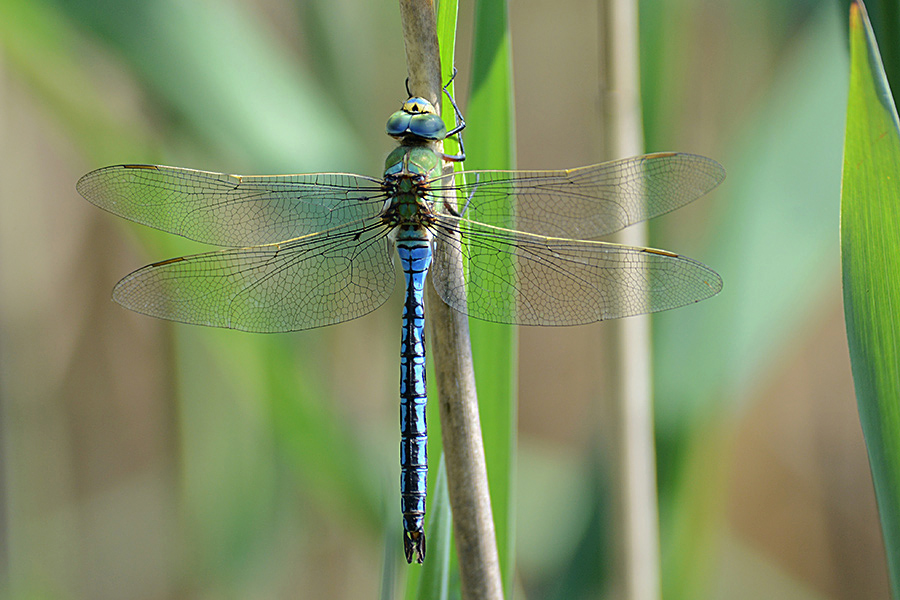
(415, 258)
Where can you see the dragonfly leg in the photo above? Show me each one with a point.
(460, 212)
(460, 124)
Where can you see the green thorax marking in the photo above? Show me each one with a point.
(406, 171)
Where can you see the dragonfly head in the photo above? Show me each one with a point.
(416, 120)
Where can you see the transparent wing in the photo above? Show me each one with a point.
(321, 279)
(588, 202)
(525, 279)
(232, 210)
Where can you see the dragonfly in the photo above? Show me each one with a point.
(309, 250)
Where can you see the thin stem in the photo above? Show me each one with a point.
(637, 502)
(423, 61)
(473, 526)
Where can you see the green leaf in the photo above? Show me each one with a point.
(490, 144)
(870, 251)
(446, 29)
(493, 346)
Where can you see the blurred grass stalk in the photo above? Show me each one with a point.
(637, 536)
(870, 253)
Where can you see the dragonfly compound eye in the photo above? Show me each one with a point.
(416, 120)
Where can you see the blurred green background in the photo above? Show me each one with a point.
(141, 459)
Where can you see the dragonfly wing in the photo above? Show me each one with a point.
(320, 279)
(588, 202)
(232, 210)
(525, 279)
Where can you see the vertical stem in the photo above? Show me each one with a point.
(638, 520)
(467, 485)
(423, 60)
(473, 525)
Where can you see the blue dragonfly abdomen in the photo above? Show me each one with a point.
(415, 258)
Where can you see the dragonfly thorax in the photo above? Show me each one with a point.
(408, 169)
(416, 163)
(417, 120)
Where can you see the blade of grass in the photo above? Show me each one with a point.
(490, 144)
(870, 253)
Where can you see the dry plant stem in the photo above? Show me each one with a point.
(423, 59)
(638, 536)
(473, 525)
